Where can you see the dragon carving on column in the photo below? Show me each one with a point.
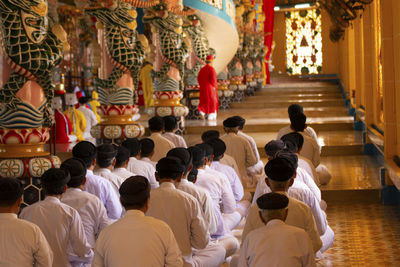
(123, 46)
(32, 51)
(170, 54)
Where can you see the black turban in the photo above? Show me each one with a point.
(55, 177)
(198, 155)
(208, 149)
(273, 147)
(230, 123)
(272, 201)
(123, 155)
(294, 109)
(209, 135)
(106, 152)
(147, 147)
(11, 189)
(170, 167)
(218, 146)
(77, 170)
(135, 190)
(84, 100)
(84, 149)
(239, 120)
(133, 145)
(183, 154)
(280, 169)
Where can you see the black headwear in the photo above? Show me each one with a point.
(272, 147)
(106, 154)
(183, 154)
(209, 135)
(122, 156)
(219, 147)
(298, 121)
(198, 156)
(135, 190)
(272, 201)
(280, 169)
(208, 149)
(77, 170)
(295, 138)
(11, 189)
(84, 100)
(133, 145)
(230, 123)
(169, 123)
(170, 167)
(146, 147)
(239, 120)
(156, 124)
(55, 177)
(294, 109)
(85, 151)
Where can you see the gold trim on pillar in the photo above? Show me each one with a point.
(22, 150)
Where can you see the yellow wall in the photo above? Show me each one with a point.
(330, 50)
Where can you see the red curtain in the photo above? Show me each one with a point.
(268, 8)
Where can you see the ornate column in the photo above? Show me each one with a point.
(224, 94)
(170, 55)
(31, 49)
(123, 53)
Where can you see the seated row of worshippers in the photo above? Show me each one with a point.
(182, 212)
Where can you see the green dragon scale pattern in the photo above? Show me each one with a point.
(127, 55)
(35, 60)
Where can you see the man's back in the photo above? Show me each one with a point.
(161, 146)
(123, 173)
(299, 215)
(93, 214)
(205, 201)
(277, 244)
(104, 190)
(176, 139)
(182, 213)
(61, 225)
(310, 150)
(137, 240)
(22, 243)
(115, 180)
(234, 180)
(240, 149)
(143, 168)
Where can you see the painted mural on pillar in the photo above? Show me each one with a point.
(33, 48)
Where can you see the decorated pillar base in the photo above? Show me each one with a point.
(117, 124)
(238, 88)
(250, 85)
(258, 79)
(23, 156)
(192, 102)
(167, 103)
(224, 94)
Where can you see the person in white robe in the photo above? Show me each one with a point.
(106, 161)
(161, 144)
(276, 243)
(95, 184)
(137, 239)
(258, 168)
(242, 199)
(308, 148)
(121, 163)
(135, 165)
(217, 186)
(279, 181)
(90, 117)
(147, 151)
(22, 243)
(226, 159)
(240, 149)
(60, 223)
(183, 214)
(292, 110)
(92, 211)
(301, 192)
(170, 127)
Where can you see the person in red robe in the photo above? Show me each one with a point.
(207, 79)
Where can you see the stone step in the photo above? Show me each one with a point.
(305, 87)
(263, 103)
(351, 196)
(281, 112)
(299, 95)
(273, 100)
(271, 126)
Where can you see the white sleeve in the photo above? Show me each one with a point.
(77, 238)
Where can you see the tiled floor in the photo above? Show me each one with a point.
(365, 235)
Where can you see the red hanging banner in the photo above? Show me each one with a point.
(268, 8)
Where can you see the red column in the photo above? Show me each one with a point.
(268, 8)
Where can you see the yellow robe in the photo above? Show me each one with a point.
(78, 122)
(147, 85)
(94, 104)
